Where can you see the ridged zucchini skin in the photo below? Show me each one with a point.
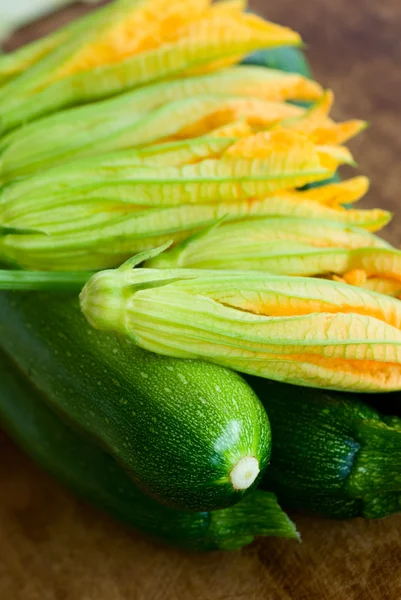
(177, 427)
(332, 453)
(90, 472)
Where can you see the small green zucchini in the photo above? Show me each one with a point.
(193, 435)
(93, 474)
(332, 453)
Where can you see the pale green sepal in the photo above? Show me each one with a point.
(136, 260)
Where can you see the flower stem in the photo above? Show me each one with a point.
(43, 280)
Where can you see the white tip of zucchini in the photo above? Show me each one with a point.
(244, 473)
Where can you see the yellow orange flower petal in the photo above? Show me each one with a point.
(356, 277)
(314, 117)
(337, 133)
(381, 285)
(254, 111)
(334, 156)
(335, 194)
(236, 129)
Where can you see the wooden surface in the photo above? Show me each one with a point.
(54, 547)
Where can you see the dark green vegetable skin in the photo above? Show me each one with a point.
(284, 58)
(332, 453)
(177, 427)
(94, 475)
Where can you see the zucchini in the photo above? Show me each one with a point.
(94, 475)
(332, 453)
(193, 435)
(285, 58)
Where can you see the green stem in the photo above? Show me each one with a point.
(43, 280)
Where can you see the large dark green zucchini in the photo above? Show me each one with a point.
(89, 471)
(193, 435)
(332, 453)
